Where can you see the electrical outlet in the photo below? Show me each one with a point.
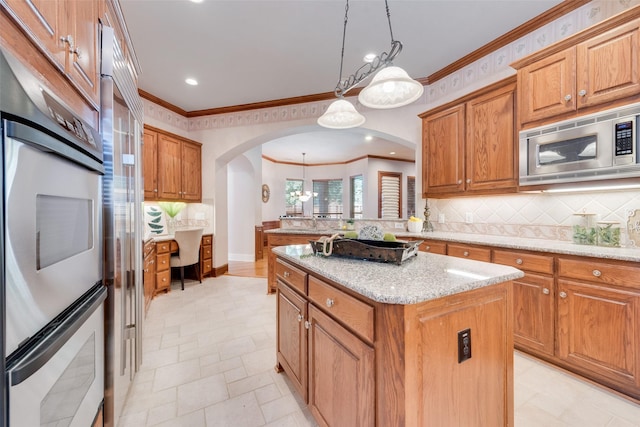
(399, 225)
(464, 345)
(441, 218)
(468, 218)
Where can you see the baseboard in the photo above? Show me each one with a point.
(220, 271)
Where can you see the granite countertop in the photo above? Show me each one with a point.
(422, 278)
(509, 242)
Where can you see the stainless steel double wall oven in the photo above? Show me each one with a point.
(51, 290)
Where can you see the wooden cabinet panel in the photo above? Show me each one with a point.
(491, 154)
(443, 151)
(355, 314)
(608, 66)
(150, 162)
(606, 273)
(191, 178)
(599, 332)
(534, 313)
(169, 176)
(434, 247)
(293, 276)
(470, 252)
(292, 336)
(149, 273)
(547, 87)
(82, 27)
(274, 240)
(206, 255)
(341, 374)
(524, 261)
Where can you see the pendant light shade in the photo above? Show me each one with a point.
(391, 87)
(341, 114)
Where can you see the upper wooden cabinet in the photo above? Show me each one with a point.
(172, 167)
(66, 31)
(594, 70)
(469, 145)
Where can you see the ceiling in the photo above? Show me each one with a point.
(252, 51)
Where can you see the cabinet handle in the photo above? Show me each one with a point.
(459, 181)
(155, 190)
(307, 324)
(68, 40)
(567, 98)
(563, 294)
(427, 248)
(164, 279)
(465, 253)
(286, 274)
(468, 180)
(546, 291)
(519, 261)
(597, 273)
(330, 302)
(75, 52)
(300, 317)
(582, 92)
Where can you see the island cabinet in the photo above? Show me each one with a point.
(599, 321)
(282, 239)
(469, 145)
(592, 70)
(172, 167)
(66, 32)
(360, 362)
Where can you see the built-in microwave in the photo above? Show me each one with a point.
(597, 147)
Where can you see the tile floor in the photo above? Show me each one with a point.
(209, 353)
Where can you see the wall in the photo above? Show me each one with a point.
(226, 136)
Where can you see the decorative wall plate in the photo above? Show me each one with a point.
(633, 227)
(265, 193)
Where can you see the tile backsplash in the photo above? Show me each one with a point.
(193, 215)
(532, 215)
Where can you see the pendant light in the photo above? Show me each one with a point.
(303, 197)
(391, 87)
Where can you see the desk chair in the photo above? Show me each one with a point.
(188, 251)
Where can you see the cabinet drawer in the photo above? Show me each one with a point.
(148, 248)
(163, 280)
(207, 266)
(524, 261)
(618, 274)
(207, 240)
(471, 252)
(291, 275)
(163, 247)
(434, 246)
(163, 262)
(206, 252)
(354, 313)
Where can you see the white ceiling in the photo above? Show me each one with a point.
(248, 51)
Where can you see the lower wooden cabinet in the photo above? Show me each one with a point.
(469, 251)
(163, 266)
(206, 255)
(149, 273)
(434, 246)
(273, 240)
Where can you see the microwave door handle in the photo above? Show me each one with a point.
(51, 343)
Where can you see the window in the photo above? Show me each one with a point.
(293, 204)
(389, 195)
(328, 202)
(356, 197)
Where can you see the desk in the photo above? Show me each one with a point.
(165, 246)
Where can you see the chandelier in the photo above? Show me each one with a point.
(391, 87)
(303, 197)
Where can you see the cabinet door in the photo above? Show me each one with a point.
(608, 66)
(150, 159)
(82, 65)
(490, 141)
(149, 279)
(443, 152)
(546, 88)
(292, 337)
(44, 20)
(533, 313)
(191, 172)
(169, 172)
(341, 374)
(599, 331)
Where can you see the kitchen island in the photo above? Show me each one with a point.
(426, 343)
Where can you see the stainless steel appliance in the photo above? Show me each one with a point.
(121, 128)
(596, 147)
(51, 281)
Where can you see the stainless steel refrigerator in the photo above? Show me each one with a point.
(122, 130)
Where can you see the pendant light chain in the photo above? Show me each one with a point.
(386, 4)
(344, 36)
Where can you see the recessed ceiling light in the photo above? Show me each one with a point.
(392, 152)
(192, 82)
(369, 57)
(368, 138)
(197, 1)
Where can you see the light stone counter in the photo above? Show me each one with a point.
(508, 242)
(422, 278)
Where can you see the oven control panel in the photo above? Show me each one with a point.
(624, 138)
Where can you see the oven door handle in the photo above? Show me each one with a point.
(49, 345)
